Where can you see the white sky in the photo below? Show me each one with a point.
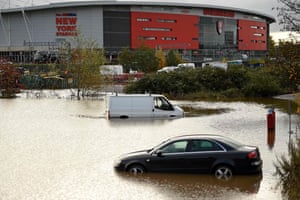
(262, 6)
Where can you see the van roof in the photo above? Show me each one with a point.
(136, 95)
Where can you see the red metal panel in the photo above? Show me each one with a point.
(168, 31)
(218, 12)
(252, 35)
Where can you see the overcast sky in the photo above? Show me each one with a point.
(262, 6)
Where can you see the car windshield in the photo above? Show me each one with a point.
(160, 144)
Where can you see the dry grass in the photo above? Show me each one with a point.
(297, 98)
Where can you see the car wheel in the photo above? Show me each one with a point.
(223, 172)
(136, 169)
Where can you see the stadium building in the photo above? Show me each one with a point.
(197, 31)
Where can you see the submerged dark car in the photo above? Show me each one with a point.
(197, 154)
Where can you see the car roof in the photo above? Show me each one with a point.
(197, 136)
(201, 136)
(218, 138)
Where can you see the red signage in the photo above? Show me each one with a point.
(66, 24)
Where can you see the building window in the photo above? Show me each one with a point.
(261, 41)
(168, 38)
(143, 19)
(157, 29)
(258, 34)
(167, 20)
(149, 38)
(258, 27)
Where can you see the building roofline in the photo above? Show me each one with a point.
(174, 3)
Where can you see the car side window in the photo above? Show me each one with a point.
(175, 147)
(203, 145)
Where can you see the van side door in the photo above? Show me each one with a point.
(162, 107)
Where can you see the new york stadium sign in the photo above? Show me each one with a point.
(66, 24)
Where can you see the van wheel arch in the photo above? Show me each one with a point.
(124, 117)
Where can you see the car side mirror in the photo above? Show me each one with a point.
(159, 153)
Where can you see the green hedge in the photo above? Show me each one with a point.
(236, 81)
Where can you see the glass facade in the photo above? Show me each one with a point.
(217, 37)
(211, 38)
(116, 28)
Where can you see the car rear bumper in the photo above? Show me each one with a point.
(257, 163)
(255, 167)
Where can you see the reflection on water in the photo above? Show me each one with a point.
(193, 186)
(89, 116)
(271, 138)
(139, 121)
(57, 148)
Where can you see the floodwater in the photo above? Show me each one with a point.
(57, 148)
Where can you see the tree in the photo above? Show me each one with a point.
(84, 63)
(146, 59)
(272, 47)
(289, 15)
(9, 80)
(142, 59)
(161, 58)
(126, 58)
(173, 58)
(288, 60)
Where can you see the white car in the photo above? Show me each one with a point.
(167, 69)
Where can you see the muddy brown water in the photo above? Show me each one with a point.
(57, 148)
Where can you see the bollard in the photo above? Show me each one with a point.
(271, 124)
(271, 119)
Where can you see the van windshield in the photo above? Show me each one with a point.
(162, 103)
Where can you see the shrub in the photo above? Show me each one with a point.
(261, 84)
(212, 78)
(236, 82)
(232, 93)
(288, 170)
(238, 76)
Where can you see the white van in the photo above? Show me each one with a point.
(186, 65)
(141, 105)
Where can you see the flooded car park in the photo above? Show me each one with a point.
(57, 148)
(191, 186)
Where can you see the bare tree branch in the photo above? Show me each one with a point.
(289, 15)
